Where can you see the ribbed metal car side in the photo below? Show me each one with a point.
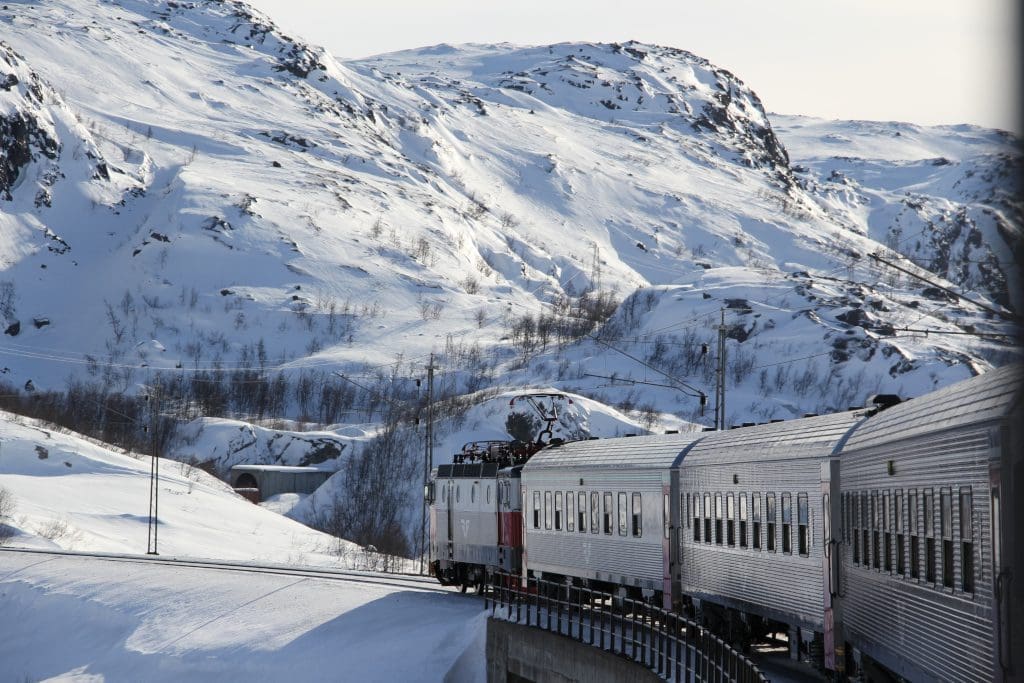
(755, 526)
(625, 539)
(927, 519)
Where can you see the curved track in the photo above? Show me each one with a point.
(412, 581)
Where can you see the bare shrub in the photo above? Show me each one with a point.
(7, 507)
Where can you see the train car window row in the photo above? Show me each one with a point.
(889, 529)
(726, 519)
(610, 513)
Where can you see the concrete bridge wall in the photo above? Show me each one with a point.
(520, 654)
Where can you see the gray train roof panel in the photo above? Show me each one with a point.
(979, 400)
(639, 451)
(809, 437)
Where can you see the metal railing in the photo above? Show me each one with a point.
(673, 647)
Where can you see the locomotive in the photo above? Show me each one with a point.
(883, 538)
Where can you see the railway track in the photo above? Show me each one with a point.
(411, 581)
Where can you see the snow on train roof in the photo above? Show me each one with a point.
(808, 437)
(638, 451)
(977, 400)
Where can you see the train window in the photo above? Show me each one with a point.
(730, 519)
(536, 509)
(718, 518)
(787, 523)
(609, 513)
(855, 515)
(901, 530)
(558, 510)
(915, 531)
(876, 523)
(666, 516)
(707, 517)
(887, 525)
(638, 511)
(595, 512)
(686, 515)
(488, 494)
(865, 528)
(966, 541)
(695, 512)
(844, 515)
(581, 510)
(756, 512)
(472, 491)
(570, 511)
(547, 509)
(929, 536)
(769, 513)
(803, 535)
(458, 493)
(623, 514)
(743, 520)
(946, 521)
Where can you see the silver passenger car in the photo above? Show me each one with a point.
(598, 511)
(932, 494)
(755, 505)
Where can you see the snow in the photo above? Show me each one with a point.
(85, 619)
(65, 619)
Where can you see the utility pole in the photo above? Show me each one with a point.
(428, 457)
(154, 471)
(720, 377)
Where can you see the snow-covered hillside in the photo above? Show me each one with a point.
(185, 187)
(67, 493)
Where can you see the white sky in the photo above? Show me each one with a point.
(924, 61)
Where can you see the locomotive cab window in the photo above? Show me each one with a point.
(756, 497)
(638, 515)
(769, 511)
(743, 520)
(730, 519)
(803, 533)
(570, 511)
(966, 542)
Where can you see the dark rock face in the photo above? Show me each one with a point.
(23, 138)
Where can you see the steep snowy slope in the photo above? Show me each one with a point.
(216, 194)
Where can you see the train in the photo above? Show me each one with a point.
(882, 540)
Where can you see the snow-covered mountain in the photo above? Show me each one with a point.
(183, 186)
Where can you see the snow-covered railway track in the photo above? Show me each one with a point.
(412, 581)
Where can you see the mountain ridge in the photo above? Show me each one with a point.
(351, 214)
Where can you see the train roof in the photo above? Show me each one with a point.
(808, 437)
(658, 451)
(979, 400)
